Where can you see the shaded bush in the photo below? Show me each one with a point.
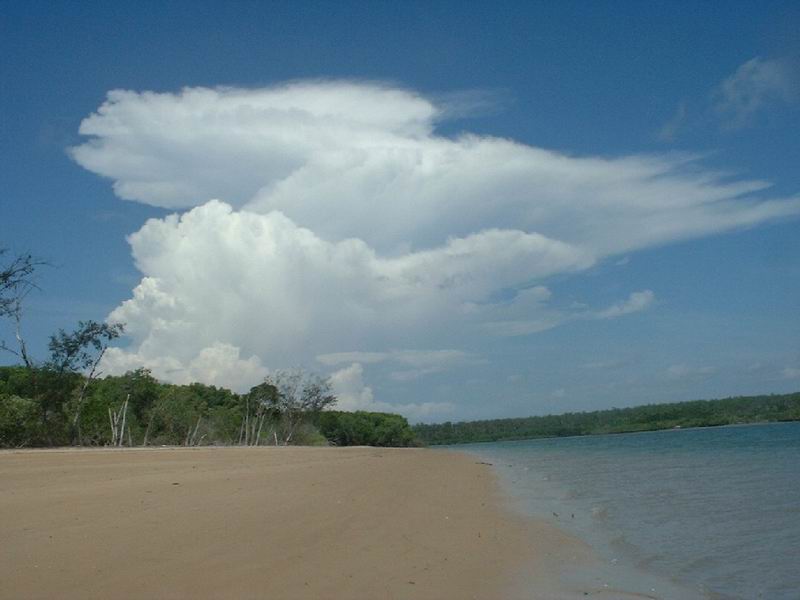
(365, 429)
(20, 424)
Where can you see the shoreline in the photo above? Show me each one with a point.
(286, 522)
(606, 571)
(263, 522)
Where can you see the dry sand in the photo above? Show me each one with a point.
(271, 523)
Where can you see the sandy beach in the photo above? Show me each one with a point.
(346, 523)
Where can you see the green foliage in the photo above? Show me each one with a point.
(223, 425)
(365, 429)
(19, 422)
(288, 399)
(16, 381)
(195, 414)
(698, 413)
(79, 349)
(175, 414)
(308, 435)
(264, 394)
(138, 386)
(35, 406)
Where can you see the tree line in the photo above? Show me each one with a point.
(651, 417)
(40, 407)
(63, 400)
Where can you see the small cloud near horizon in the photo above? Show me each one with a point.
(682, 371)
(791, 372)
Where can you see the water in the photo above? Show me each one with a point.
(717, 509)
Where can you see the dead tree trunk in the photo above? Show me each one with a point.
(149, 425)
(113, 427)
(193, 440)
(117, 428)
(247, 423)
(124, 417)
(260, 425)
(76, 420)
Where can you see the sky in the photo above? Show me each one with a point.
(455, 210)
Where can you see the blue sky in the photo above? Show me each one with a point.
(718, 301)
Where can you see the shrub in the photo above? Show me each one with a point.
(20, 422)
(365, 429)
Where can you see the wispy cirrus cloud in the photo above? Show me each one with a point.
(605, 364)
(413, 363)
(549, 318)
(756, 85)
(670, 130)
(682, 371)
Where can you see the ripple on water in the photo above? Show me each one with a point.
(716, 508)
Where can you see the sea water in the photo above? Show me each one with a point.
(717, 509)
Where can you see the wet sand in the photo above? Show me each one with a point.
(269, 523)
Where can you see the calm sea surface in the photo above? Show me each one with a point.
(716, 509)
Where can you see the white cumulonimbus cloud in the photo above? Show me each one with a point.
(353, 394)
(324, 218)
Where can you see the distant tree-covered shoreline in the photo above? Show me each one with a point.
(651, 417)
